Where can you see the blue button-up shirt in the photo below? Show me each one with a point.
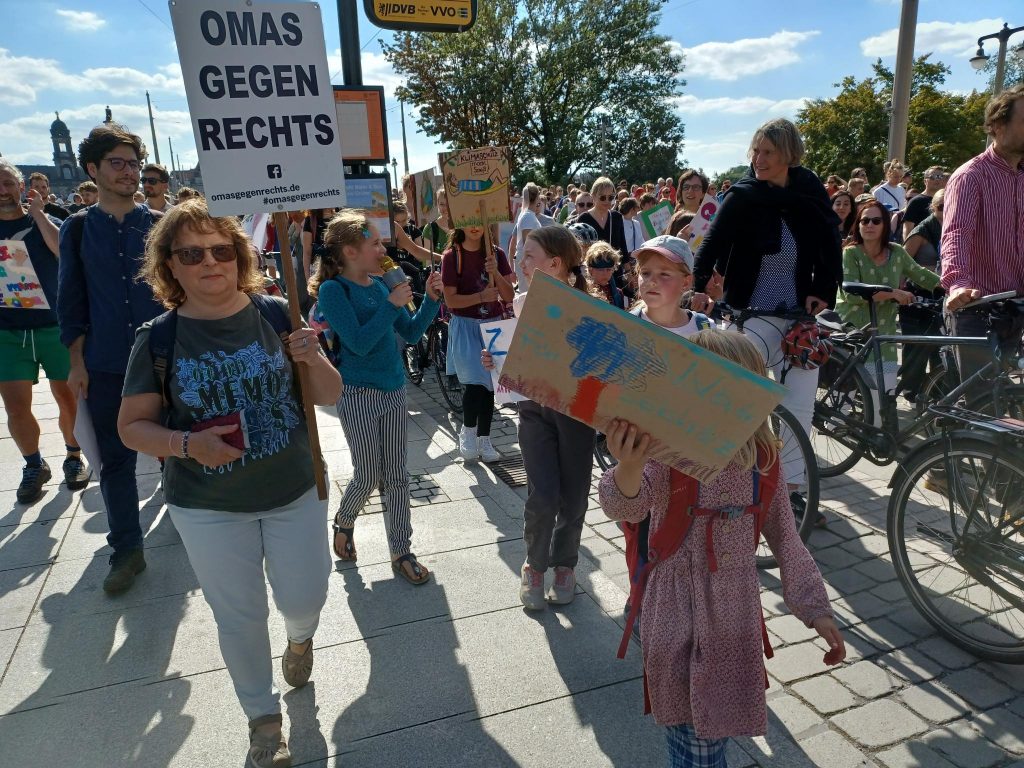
(99, 295)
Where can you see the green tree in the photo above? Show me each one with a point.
(536, 76)
(852, 129)
(735, 173)
(1013, 73)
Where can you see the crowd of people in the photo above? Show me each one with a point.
(161, 326)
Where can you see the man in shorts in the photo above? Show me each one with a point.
(30, 339)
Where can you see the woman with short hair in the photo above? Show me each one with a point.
(238, 479)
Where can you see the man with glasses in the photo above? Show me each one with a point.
(154, 187)
(919, 208)
(99, 309)
(693, 185)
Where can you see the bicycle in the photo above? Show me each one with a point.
(843, 428)
(958, 543)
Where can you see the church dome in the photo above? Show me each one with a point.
(58, 127)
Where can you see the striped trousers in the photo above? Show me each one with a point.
(375, 424)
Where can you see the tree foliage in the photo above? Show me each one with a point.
(735, 173)
(852, 129)
(537, 75)
(1013, 73)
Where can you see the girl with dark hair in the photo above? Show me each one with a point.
(476, 288)
(846, 209)
(557, 449)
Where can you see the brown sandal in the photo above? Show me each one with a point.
(420, 575)
(348, 551)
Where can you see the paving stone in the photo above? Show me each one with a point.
(911, 664)
(849, 581)
(796, 716)
(964, 746)
(834, 558)
(825, 694)
(877, 568)
(1008, 674)
(795, 662)
(790, 629)
(1002, 727)
(947, 654)
(867, 679)
(891, 592)
(913, 754)
(982, 691)
(867, 546)
(934, 702)
(880, 723)
(910, 620)
(832, 750)
(883, 634)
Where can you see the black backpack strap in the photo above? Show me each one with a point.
(162, 332)
(273, 312)
(76, 225)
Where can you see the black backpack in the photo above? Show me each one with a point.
(163, 331)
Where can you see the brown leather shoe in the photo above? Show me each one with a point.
(295, 667)
(267, 751)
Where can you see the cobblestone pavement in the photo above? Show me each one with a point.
(455, 673)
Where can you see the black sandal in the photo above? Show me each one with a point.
(422, 575)
(348, 552)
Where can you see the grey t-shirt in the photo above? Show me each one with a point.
(221, 367)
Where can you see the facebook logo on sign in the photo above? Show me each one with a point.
(274, 171)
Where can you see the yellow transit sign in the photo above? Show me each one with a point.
(422, 15)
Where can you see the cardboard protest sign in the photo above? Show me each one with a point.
(702, 221)
(255, 227)
(497, 338)
(655, 220)
(422, 195)
(587, 359)
(19, 284)
(371, 196)
(473, 177)
(263, 112)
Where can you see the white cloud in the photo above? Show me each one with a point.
(745, 105)
(959, 38)
(743, 58)
(86, 21)
(376, 70)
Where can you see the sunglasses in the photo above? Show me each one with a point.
(871, 220)
(584, 206)
(189, 257)
(606, 198)
(938, 176)
(152, 180)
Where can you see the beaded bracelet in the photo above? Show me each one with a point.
(184, 444)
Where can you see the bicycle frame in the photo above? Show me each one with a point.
(884, 440)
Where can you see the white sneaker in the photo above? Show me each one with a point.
(468, 447)
(563, 589)
(531, 589)
(488, 453)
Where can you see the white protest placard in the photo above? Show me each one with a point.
(702, 221)
(255, 227)
(497, 338)
(259, 93)
(19, 284)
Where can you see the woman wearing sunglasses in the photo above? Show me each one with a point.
(603, 218)
(873, 259)
(238, 479)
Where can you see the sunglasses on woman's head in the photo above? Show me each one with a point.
(871, 220)
(584, 205)
(606, 198)
(189, 257)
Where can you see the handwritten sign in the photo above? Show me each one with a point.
(19, 284)
(702, 221)
(497, 338)
(587, 359)
(472, 177)
(424, 197)
(655, 220)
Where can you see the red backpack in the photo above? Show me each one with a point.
(644, 550)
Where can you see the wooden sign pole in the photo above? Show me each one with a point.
(487, 229)
(291, 285)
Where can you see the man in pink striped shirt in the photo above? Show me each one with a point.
(982, 244)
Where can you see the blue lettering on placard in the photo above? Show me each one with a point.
(494, 334)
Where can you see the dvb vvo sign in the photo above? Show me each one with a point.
(422, 15)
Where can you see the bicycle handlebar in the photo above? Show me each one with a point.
(992, 298)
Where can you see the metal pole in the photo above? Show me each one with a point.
(152, 127)
(170, 146)
(604, 146)
(1000, 64)
(901, 81)
(405, 146)
(348, 29)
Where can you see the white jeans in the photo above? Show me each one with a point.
(767, 333)
(228, 552)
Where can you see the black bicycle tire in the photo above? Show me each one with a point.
(439, 358)
(907, 477)
(413, 371)
(806, 522)
(856, 454)
(602, 458)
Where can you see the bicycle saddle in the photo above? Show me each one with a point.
(864, 290)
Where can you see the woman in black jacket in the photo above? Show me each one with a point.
(775, 241)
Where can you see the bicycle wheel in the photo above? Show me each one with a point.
(604, 459)
(936, 387)
(450, 386)
(963, 572)
(831, 438)
(796, 450)
(411, 356)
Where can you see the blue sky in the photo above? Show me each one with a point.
(747, 61)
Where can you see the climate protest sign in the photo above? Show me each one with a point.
(19, 284)
(476, 182)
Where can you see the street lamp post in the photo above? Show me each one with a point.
(394, 171)
(980, 59)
